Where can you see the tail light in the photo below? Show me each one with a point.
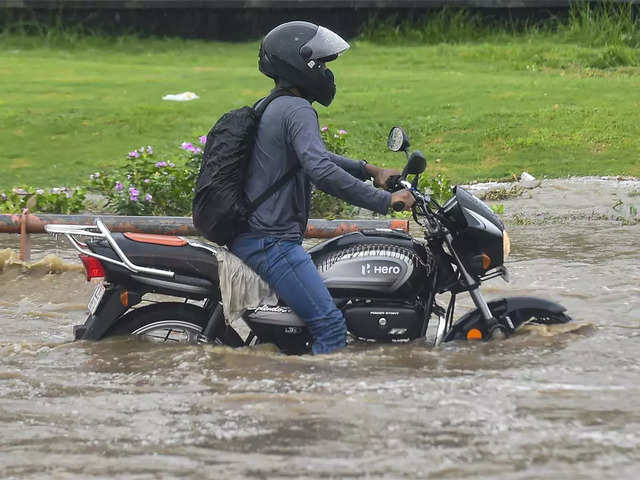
(92, 266)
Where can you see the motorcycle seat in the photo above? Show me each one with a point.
(164, 252)
(168, 240)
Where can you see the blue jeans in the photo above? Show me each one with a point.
(288, 268)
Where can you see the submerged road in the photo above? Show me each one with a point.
(560, 402)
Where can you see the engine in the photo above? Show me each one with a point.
(384, 321)
(366, 319)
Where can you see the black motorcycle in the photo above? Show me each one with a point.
(384, 281)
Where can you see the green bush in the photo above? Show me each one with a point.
(146, 185)
(446, 25)
(610, 57)
(51, 200)
(597, 25)
(334, 139)
(440, 187)
(324, 205)
(608, 23)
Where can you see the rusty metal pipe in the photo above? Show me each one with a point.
(316, 228)
(25, 239)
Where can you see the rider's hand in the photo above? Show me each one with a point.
(381, 175)
(404, 196)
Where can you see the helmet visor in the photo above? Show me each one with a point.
(325, 44)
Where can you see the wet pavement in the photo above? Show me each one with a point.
(554, 402)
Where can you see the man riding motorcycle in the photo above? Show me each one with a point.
(294, 55)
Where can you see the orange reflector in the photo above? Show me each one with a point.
(486, 261)
(474, 334)
(124, 298)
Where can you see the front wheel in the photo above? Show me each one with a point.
(510, 314)
(172, 323)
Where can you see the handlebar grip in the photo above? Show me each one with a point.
(398, 206)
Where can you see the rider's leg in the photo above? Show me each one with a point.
(288, 268)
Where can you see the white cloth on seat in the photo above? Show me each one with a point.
(240, 286)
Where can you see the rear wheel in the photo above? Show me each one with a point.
(173, 323)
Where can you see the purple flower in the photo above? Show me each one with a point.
(336, 135)
(133, 191)
(118, 186)
(189, 147)
(134, 154)
(146, 180)
(133, 198)
(171, 164)
(128, 177)
(161, 164)
(3, 196)
(148, 197)
(149, 150)
(203, 139)
(97, 174)
(40, 191)
(342, 132)
(141, 149)
(324, 129)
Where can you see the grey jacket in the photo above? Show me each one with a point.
(288, 135)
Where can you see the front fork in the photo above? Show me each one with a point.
(491, 324)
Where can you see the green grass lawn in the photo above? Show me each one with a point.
(484, 110)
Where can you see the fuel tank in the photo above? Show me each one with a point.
(373, 264)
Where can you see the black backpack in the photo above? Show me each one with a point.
(220, 209)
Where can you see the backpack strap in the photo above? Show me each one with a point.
(272, 189)
(287, 176)
(261, 105)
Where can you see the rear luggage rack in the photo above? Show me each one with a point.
(101, 231)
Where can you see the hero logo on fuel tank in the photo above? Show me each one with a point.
(368, 269)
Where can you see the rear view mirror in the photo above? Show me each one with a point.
(398, 140)
(416, 163)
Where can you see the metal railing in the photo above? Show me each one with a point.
(28, 223)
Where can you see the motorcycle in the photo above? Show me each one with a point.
(384, 281)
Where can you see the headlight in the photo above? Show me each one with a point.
(506, 244)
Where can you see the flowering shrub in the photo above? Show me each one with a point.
(324, 205)
(327, 206)
(334, 140)
(51, 200)
(146, 185)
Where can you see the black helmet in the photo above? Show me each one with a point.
(294, 54)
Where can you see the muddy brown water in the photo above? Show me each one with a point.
(558, 402)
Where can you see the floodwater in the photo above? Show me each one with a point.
(559, 402)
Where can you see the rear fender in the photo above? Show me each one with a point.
(514, 311)
(109, 310)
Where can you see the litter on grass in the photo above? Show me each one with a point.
(181, 97)
(526, 177)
